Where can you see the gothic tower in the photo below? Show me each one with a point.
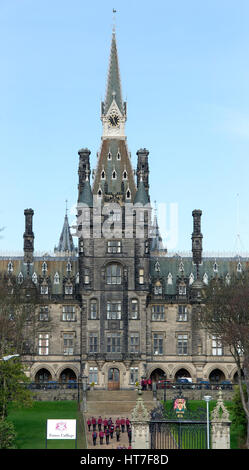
(114, 248)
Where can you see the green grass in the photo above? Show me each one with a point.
(31, 423)
(195, 404)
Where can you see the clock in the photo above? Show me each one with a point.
(114, 120)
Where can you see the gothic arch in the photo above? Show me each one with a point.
(157, 366)
(213, 367)
(39, 367)
(64, 367)
(188, 367)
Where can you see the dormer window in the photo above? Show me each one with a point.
(239, 267)
(109, 156)
(99, 192)
(125, 175)
(182, 289)
(44, 289)
(34, 278)
(215, 267)
(170, 279)
(114, 175)
(158, 290)
(128, 194)
(20, 278)
(44, 267)
(205, 279)
(103, 175)
(10, 267)
(68, 289)
(191, 279)
(118, 156)
(56, 278)
(69, 266)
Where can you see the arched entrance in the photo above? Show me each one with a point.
(67, 375)
(113, 379)
(181, 374)
(157, 374)
(216, 376)
(43, 376)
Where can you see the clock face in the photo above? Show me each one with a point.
(114, 120)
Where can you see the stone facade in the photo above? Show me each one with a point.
(118, 308)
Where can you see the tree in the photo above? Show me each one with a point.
(225, 315)
(13, 386)
(7, 434)
(19, 318)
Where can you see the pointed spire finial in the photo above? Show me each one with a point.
(114, 21)
(66, 201)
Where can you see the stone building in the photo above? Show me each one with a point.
(119, 306)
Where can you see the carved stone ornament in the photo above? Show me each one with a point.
(140, 412)
(224, 415)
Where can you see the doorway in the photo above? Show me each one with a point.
(113, 379)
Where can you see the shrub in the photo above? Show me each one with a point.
(7, 434)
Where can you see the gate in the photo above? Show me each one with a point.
(178, 434)
(169, 432)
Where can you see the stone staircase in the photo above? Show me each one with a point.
(116, 402)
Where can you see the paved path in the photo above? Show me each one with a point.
(113, 444)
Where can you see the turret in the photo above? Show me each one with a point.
(28, 236)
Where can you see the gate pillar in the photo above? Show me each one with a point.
(140, 420)
(220, 426)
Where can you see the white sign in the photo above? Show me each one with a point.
(61, 428)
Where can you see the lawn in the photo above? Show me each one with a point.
(196, 404)
(31, 423)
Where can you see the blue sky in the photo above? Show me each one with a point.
(185, 74)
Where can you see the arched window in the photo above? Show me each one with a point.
(113, 274)
(34, 278)
(56, 278)
(10, 267)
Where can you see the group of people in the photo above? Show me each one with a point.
(105, 429)
(146, 384)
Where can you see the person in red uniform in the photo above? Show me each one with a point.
(127, 422)
(101, 436)
(107, 434)
(99, 423)
(123, 424)
(105, 422)
(89, 422)
(111, 428)
(118, 422)
(145, 384)
(150, 383)
(94, 423)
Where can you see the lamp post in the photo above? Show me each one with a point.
(207, 399)
(84, 389)
(164, 388)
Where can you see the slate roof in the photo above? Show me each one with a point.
(113, 81)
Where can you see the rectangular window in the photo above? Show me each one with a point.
(217, 349)
(134, 309)
(134, 342)
(43, 315)
(141, 276)
(86, 276)
(93, 375)
(114, 246)
(114, 310)
(182, 344)
(133, 375)
(158, 313)
(68, 343)
(93, 342)
(68, 290)
(44, 290)
(93, 309)
(182, 290)
(182, 313)
(113, 343)
(157, 344)
(113, 274)
(68, 313)
(43, 344)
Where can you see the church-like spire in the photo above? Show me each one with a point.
(113, 89)
(66, 244)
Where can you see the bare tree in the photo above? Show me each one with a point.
(225, 314)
